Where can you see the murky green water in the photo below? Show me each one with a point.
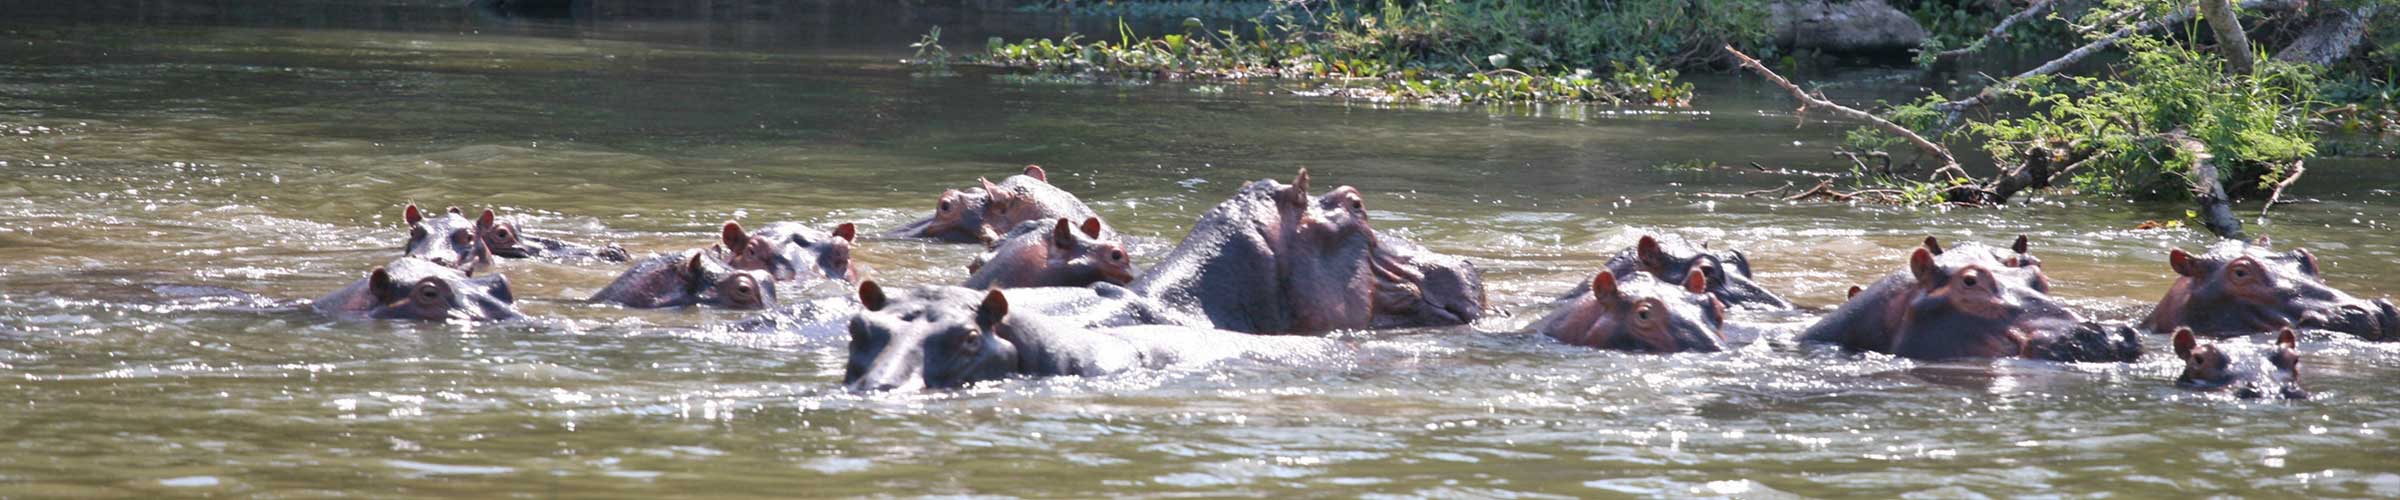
(270, 152)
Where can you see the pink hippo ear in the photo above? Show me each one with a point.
(1297, 193)
(2182, 263)
(2308, 261)
(994, 309)
(1035, 171)
(1063, 234)
(1604, 285)
(412, 214)
(2288, 339)
(2184, 343)
(1652, 256)
(846, 231)
(378, 282)
(871, 295)
(484, 223)
(695, 268)
(1091, 227)
(2021, 245)
(1853, 292)
(1695, 282)
(1920, 263)
(735, 240)
(1934, 245)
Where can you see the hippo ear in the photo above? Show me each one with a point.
(2308, 261)
(378, 284)
(2184, 343)
(1063, 233)
(870, 295)
(1653, 257)
(994, 309)
(1035, 171)
(734, 239)
(696, 268)
(1695, 282)
(2263, 240)
(1300, 182)
(412, 214)
(1853, 292)
(455, 211)
(1604, 285)
(2182, 263)
(1091, 227)
(1934, 245)
(2020, 245)
(1920, 263)
(2288, 339)
(485, 222)
(846, 231)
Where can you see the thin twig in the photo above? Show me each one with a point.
(2298, 167)
(1808, 101)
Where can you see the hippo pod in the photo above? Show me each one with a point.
(450, 239)
(1062, 253)
(2243, 288)
(419, 289)
(689, 278)
(981, 214)
(1640, 314)
(1273, 260)
(1728, 271)
(2247, 369)
(1972, 301)
(947, 337)
(791, 251)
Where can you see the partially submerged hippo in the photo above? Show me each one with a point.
(1060, 253)
(419, 289)
(981, 214)
(1971, 301)
(791, 251)
(689, 278)
(1728, 271)
(947, 337)
(446, 238)
(2243, 288)
(1273, 260)
(508, 240)
(1640, 314)
(2248, 369)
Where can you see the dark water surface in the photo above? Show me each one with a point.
(154, 153)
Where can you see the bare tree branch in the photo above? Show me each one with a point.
(1949, 163)
(1953, 108)
(1999, 33)
(2232, 43)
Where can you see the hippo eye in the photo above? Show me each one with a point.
(1645, 314)
(502, 233)
(945, 206)
(2241, 273)
(461, 237)
(1116, 255)
(1968, 281)
(1358, 205)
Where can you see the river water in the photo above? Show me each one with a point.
(156, 156)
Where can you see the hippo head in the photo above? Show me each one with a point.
(2249, 370)
(1005, 207)
(501, 236)
(1975, 301)
(791, 251)
(2240, 288)
(1084, 257)
(1058, 254)
(1643, 314)
(418, 289)
(1328, 255)
(448, 239)
(703, 281)
(957, 218)
(1417, 287)
(929, 337)
(1728, 271)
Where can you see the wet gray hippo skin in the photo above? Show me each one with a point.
(419, 289)
(1273, 260)
(981, 214)
(1971, 301)
(946, 337)
(791, 251)
(1056, 253)
(1728, 271)
(2247, 369)
(689, 278)
(506, 239)
(2242, 288)
(447, 238)
(1640, 314)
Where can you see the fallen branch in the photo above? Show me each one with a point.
(1999, 32)
(1787, 186)
(2331, 34)
(2208, 188)
(1808, 101)
(2298, 167)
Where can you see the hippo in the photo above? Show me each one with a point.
(943, 337)
(791, 251)
(1641, 314)
(421, 289)
(2249, 369)
(447, 238)
(1970, 301)
(2243, 288)
(1273, 260)
(1061, 253)
(507, 240)
(1728, 271)
(980, 214)
(689, 278)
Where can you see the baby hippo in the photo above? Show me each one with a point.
(419, 289)
(978, 214)
(447, 238)
(1641, 314)
(791, 252)
(947, 337)
(508, 240)
(2242, 288)
(687, 278)
(1971, 301)
(2249, 369)
(1039, 254)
